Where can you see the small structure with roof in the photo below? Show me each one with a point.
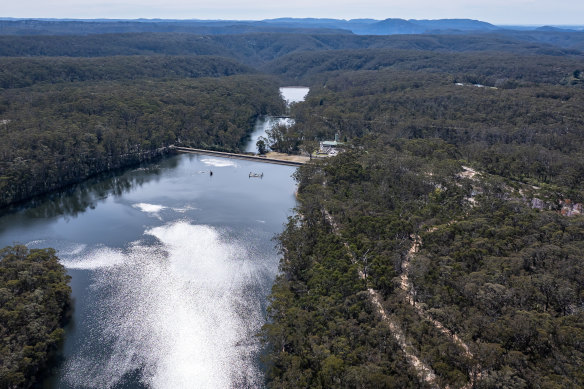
(330, 148)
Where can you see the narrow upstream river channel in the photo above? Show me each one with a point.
(292, 94)
(171, 267)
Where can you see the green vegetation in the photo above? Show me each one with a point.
(530, 132)
(510, 279)
(324, 329)
(58, 134)
(23, 72)
(258, 48)
(506, 278)
(34, 300)
(261, 146)
(490, 67)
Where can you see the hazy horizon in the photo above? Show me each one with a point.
(89, 19)
(498, 12)
(274, 18)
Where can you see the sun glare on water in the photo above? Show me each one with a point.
(179, 311)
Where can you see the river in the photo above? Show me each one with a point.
(290, 95)
(171, 268)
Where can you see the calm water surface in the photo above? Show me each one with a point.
(290, 94)
(170, 271)
(294, 94)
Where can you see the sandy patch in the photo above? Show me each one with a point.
(288, 157)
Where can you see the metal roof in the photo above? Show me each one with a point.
(331, 143)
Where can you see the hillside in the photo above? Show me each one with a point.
(218, 27)
(21, 72)
(35, 297)
(392, 277)
(487, 67)
(60, 134)
(258, 48)
(441, 248)
(446, 240)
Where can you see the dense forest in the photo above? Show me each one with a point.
(23, 72)
(435, 251)
(477, 285)
(34, 302)
(58, 134)
(505, 278)
(492, 68)
(510, 123)
(258, 48)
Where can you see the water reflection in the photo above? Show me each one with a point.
(262, 126)
(184, 311)
(71, 201)
(290, 94)
(170, 269)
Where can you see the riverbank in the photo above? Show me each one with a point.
(141, 240)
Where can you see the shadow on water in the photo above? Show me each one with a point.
(55, 378)
(76, 199)
(159, 216)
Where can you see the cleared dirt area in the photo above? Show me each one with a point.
(288, 157)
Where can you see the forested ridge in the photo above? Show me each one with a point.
(22, 72)
(520, 128)
(436, 236)
(492, 68)
(505, 278)
(473, 280)
(58, 134)
(257, 48)
(34, 302)
(212, 27)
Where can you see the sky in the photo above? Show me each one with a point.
(502, 12)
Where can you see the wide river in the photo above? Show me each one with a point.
(171, 268)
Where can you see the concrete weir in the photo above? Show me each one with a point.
(238, 156)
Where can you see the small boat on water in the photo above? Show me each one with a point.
(258, 175)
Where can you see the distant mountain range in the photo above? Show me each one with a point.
(11, 26)
(388, 26)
